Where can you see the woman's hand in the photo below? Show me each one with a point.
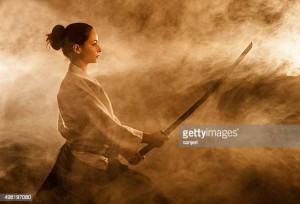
(156, 139)
(137, 158)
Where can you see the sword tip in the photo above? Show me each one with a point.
(251, 44)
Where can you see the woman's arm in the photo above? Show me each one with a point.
(121, 138)
(63, 129)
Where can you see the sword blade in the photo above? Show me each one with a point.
(198, 103)
(207, 94)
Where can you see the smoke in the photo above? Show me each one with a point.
(158, 58)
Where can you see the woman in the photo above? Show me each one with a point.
(87, 169)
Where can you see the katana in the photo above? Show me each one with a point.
(198, 103)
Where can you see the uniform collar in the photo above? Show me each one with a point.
(77, 70)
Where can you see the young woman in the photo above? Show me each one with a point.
(87, 169)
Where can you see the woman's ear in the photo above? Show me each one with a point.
(76, 48)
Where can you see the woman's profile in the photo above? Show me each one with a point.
(87, 169)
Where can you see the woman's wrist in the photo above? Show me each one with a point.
(146, 137)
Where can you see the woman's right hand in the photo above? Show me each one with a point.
(156, 139)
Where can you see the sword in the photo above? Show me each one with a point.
(196, 105)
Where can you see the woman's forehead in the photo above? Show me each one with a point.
(93, 35)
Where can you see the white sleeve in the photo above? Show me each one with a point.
(135, 132)
(63, 129)
(126, 140)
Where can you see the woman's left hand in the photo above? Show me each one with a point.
(137, 158)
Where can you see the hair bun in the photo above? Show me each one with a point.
(56, 37)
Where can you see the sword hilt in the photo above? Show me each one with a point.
(146, 149)
(149, 147)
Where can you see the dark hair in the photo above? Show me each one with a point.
(65, 38)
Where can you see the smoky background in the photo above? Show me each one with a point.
(158, 57)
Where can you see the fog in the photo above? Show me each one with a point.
(157, 59)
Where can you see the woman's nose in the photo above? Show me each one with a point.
(99, 48)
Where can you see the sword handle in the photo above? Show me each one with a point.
(149, 147)
(146, 149)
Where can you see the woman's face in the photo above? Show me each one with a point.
(90, 50)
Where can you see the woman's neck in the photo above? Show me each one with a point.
(80, 64)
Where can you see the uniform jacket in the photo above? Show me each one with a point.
(86, 119)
